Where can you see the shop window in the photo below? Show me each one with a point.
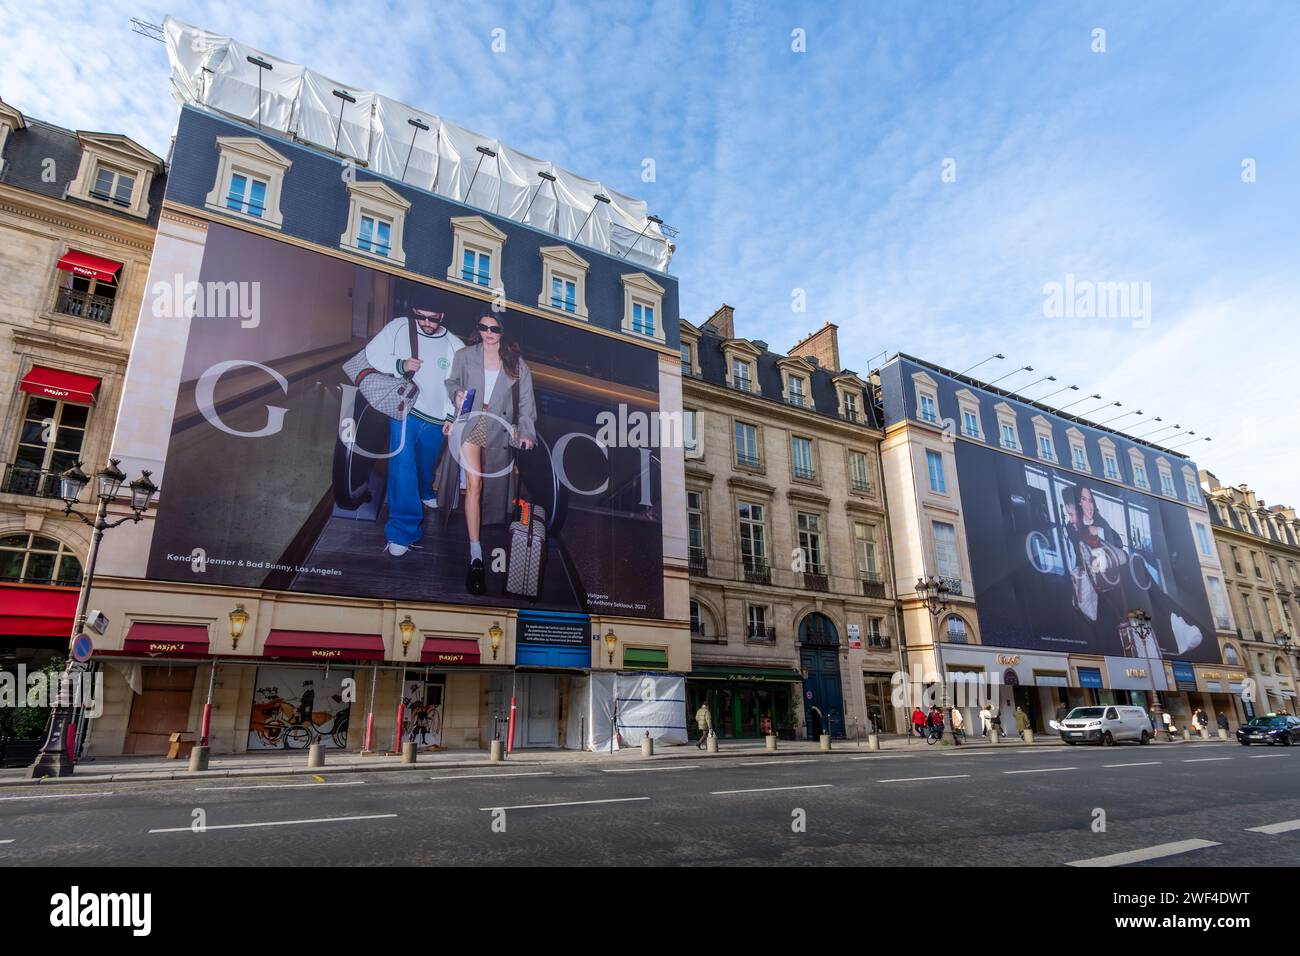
(30, 558)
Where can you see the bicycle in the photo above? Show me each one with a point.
(933, 734)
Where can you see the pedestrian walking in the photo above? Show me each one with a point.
(918, 721)
(704, 721)
(1223, 722)
(1022, 721)
(986, 719)
(958, 726)
(1168, 719)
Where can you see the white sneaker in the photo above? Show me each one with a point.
(431, 502)
(396, 550)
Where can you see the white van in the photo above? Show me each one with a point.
(1106, 725)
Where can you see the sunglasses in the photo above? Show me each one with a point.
(494, 329)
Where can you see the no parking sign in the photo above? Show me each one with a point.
(82, 648)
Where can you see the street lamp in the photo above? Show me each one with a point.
(238, 620)
(611, 642)
(934, 591)
(56, 754)
(495, 634)
(407, 627)
(1140, 621)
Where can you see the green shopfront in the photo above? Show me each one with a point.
(744, 701)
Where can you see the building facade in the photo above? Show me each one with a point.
(792, 616)
(315, 569)
(78, 214)
(1259, 551)
(1067, 554)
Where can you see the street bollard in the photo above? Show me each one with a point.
(873, 741)
(408, 751)
(993, 735)
(647, 746)
(771, 741)
(824, 741)
(498, 751)
(316, 755)
(1029, 736)
(1223, 734)
(1187, 736)
(198, 759)
(711, 745)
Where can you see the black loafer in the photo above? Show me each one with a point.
(476, 580)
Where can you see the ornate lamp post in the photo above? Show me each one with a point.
(1140, 621)
(934, 591)
(495, 635)
(55, 757)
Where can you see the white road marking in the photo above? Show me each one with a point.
(689, 766)
(807, 786)
(885, 757)
(1274, 828)
(973, 753)
(273, 823)
(287, 786)
(2, 842)
(1134, 763)
(571, 803)
(1262, 756)
(1042, 770)
(56, 796)
(1146, 853)
(476, 776)
(769, 763)
(1205, 759)
(947, 776)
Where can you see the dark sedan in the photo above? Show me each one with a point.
(1273, 729)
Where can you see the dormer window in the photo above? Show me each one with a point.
(250, 176)
(476, 254)
(114, 172)
(1138, 464)
(564, 280)
(1080, 458)
(643, 306)
(795, 390)
(1166, 478)
(850, 406)
(929, 410)
(740, 377)
(376, 220)
(1078, 451)
(643, 318)
(1008, 433)
(113, 185)
(969, 405)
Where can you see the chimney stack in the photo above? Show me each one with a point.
(822, 345)
(723, 321)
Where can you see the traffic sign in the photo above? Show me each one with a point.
(82, 648)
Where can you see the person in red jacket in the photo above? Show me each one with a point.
(918, 721)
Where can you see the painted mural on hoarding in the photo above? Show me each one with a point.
(1060, 559)
(294, 708)
(370, 436)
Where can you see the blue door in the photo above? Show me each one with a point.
(819, 656)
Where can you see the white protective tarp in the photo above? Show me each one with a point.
(646, 703)
(214, 71)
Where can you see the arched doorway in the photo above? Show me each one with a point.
(819, 658)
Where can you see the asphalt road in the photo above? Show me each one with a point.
(1162, 805)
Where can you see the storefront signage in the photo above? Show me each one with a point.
(1011, 660)
(1127, 673)
(1090, 677)
(1184, 675)
(855, 635)
(567, 630)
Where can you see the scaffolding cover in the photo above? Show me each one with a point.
(216, 72)
(648, 704)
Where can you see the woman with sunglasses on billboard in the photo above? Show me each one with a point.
(500, 416)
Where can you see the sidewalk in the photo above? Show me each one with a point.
(280, 763)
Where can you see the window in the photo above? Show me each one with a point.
(956, 630)
(1045, 450)
(29, 558)
(1080, 458)
(1254, 560)
(1112, 468)
(795, 390)
(740, 375)
(1009, 439)
(376, 221)
(643, 306)
(756, 623)
(746, 445)
(115, 172)
(691, 433)
(945, 550)
(113, 185)
(1193, 490)
(246, 195)
(564, 280)
(1140, 476)
(864, 542)
(1203, 540)
(1236, 559)
(688, 364)
(1230, 656)
(695, 522)
(859, 472)
(697, 621)
(1218, 602)
(810, 542)
(801, 457)
(476, 266)
(376, 236)
(934, 465)
(86, 297)
(250, 175)
(1167, 485)
(970, 423)
(929, 412)
(849, 406)
(1008, 430)
(477, 249)
(969, 404)
(49, 442)
(753, 539)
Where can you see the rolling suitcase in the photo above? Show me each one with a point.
(527, 551)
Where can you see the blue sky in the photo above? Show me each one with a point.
(821, 170)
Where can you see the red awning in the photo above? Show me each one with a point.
(58, 384)
(39, 611)
(91, 267)
(324, 646)
(449, 650)
(167, 640)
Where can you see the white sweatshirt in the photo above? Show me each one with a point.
(392, 346)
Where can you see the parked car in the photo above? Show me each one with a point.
(1106, 725)
(1270, 729)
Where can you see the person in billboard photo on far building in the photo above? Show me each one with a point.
(416, 440)
(1098, 553)
(502, 418)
